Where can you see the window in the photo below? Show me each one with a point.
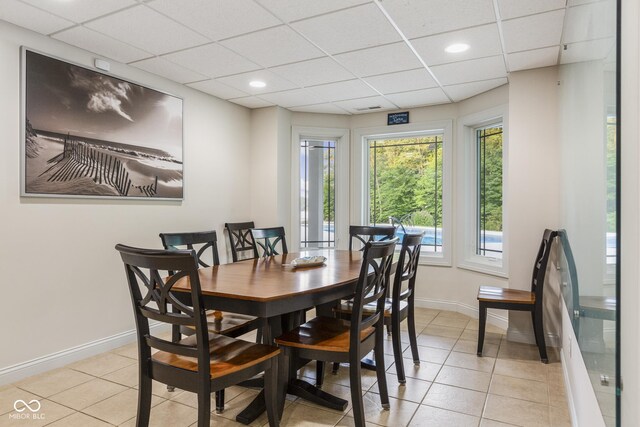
(317, 194)
(482, 179)
(403, 178)
(319, 188)
(489, 193)
(405, 185)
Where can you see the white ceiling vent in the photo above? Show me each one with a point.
(375, 107)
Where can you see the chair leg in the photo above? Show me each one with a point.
(283, 375)
(380, 370)
(397, 349)
(356, 391)
(319, 373)
(334, 369)
(538, 330)
(271, 393)
(259, 336)
(220, 401)
(413, 341)
(204, 407)
(144, 401)
(482, 321)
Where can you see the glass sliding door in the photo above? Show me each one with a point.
(589, 137)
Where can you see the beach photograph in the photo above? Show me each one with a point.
(91, 134)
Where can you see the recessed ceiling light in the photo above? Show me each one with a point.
(257, 83)
(456, 48)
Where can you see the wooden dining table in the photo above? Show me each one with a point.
(271, 289)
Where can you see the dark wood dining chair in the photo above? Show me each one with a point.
(515, 299)
(201, 363)
(370, 233)
(218, 322)
(400, 305)
(584, 306)
(330, 339)
(266, 241)
(241, 242)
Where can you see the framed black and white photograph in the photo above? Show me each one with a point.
(89, 134)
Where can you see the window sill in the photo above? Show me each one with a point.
(484, 268)
(434, 261)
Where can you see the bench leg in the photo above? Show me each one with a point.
(482, 321)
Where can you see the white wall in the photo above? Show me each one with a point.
(630, 239)
(532, 195)
(63, 282)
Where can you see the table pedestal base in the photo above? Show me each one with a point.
(298, 388)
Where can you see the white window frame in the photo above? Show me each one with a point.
(467, 193)
(360, 185)
(341, 227)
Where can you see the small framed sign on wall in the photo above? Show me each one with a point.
(398, 118)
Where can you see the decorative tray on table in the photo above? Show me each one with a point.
(307, 261)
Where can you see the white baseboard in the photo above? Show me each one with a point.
(551, 339)
(471, 311)
(567, 388)
(11, 374)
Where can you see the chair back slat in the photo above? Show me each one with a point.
(197, 240)
(372, 288)
(370, 233)
(266, 241)
(406, 268)
(171, 347)
(158, 298)
(240, 239)
(540, 265)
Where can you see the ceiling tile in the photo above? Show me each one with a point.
(291, 98)
(147, 30)
(590, 21)
(427, 17)
(468, 71)
(313, 72)
(275, 46)
(93, 41)
(215, 88)
(292, 10)
(241, 82)
(467, 90)
(31, 18)
(533, 32)
(251, 102)
(418, 98)
(379, 60)
(516, 8)
(533, 58)
(483, 41)
(350, 29)
(402, 81)
(362, 105)
(344, 90)
(167, 69)
(320, 108)
(212, 60)
(217, 19)
(81, 11)
(588, 51)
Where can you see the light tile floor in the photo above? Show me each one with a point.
(451, 387)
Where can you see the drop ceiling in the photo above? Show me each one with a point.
(328, 56)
